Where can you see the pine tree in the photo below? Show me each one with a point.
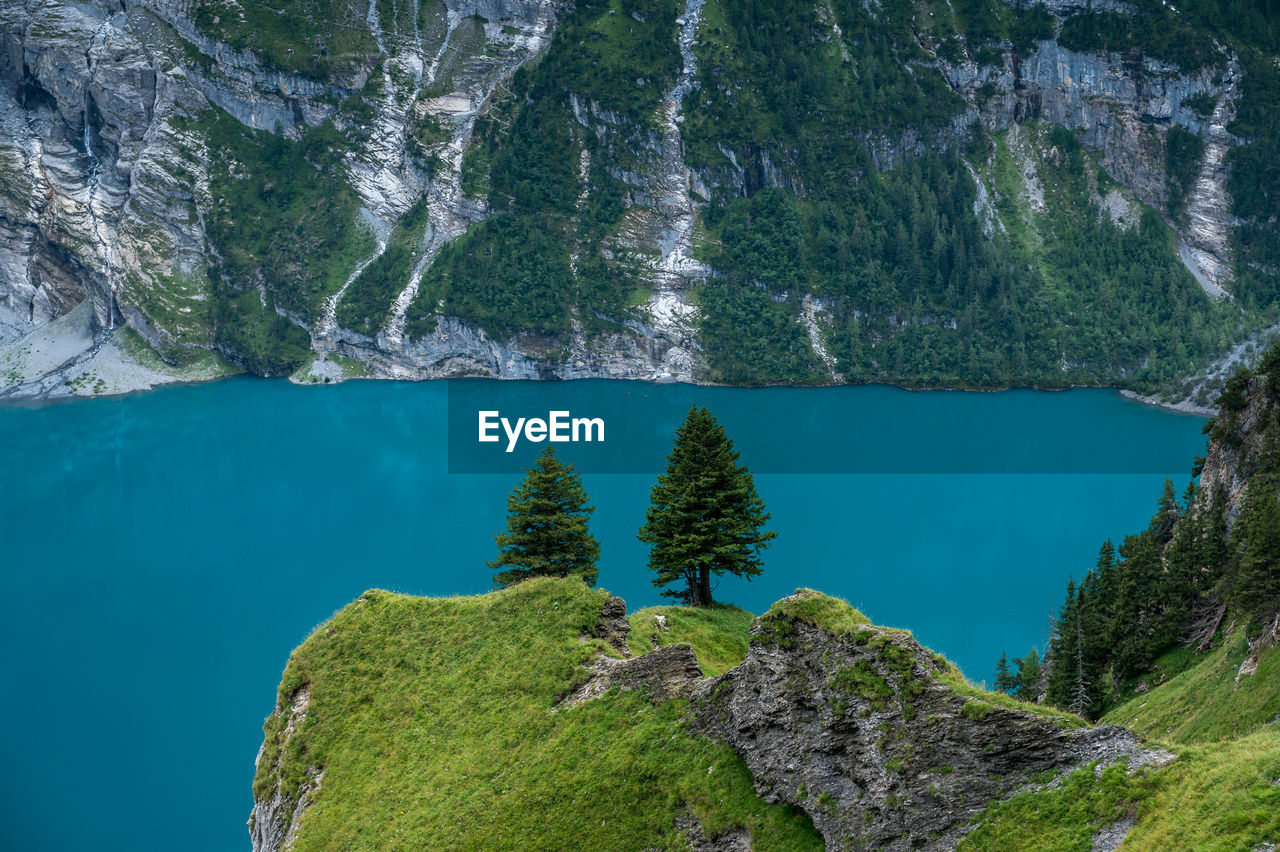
(1254, 574)
(1064, 664)
(705, 516)
(1027, 680)
(1006, 682)
(546, 531)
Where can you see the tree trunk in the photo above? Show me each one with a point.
(704, 587)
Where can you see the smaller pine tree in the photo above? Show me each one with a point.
(1006, 682)
(546, 533)
(1027, 681)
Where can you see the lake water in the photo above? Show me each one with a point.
(163, 553)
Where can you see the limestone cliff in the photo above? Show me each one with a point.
(117, 193)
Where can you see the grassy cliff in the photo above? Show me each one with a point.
(413, 723)
(435, 724)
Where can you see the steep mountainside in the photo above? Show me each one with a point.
(970, 193)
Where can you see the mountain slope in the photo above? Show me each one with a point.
(961, 194)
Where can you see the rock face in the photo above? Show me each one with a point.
(105, 192)
(868, 734)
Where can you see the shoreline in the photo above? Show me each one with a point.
(64, 360)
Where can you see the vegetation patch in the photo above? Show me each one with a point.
(1222, 797)
(717, 634)
(435, 722)
(312, 38)
(1206, 703)
(367, 303)
(862, 680)
(824, 612)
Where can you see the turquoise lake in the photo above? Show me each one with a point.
(164, 552)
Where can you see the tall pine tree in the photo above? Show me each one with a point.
(546, 531)
(705, 516)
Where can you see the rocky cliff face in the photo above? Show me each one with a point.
(106, 197)
(878, 740)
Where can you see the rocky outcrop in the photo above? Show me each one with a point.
(1123, 106)
(877, 739)
(663, 673)
(274, 821)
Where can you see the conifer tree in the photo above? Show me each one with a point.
(1254, 572)
(1027, 680)
(546, 531)
(1064, 666)
(1006, 682)
(705, 516)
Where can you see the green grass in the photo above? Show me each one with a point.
(1222, 792)
(315, 38)
(833, 615)
(435, 723)
(1062, 819)
(366, 304)
(984, 702)
(1204, 704)
(718, 634)
(1223, 797)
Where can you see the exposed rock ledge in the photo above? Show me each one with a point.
(869, 733)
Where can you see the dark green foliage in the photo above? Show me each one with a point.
(509, 273)
(1254, 181)
(1027, 681)
(1175, 581)
(313, 38)
(282, 215)
(705, 516)
(1005, 681)
(1252, 581)
(367, 302)
(621, 54)
(773, 80)
(254, 334)
(753, 340)
(284, 223)
(1183, 150)
(1155, 31)
(546, 533)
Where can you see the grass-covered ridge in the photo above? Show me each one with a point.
(717, 634)
(1222, 792)
(436, 726)
(832, 615)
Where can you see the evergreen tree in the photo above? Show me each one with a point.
(547, 526)
(705, 516)
(1027, 680)
(1064, 665)
(1006, 681)
(1254, 571)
